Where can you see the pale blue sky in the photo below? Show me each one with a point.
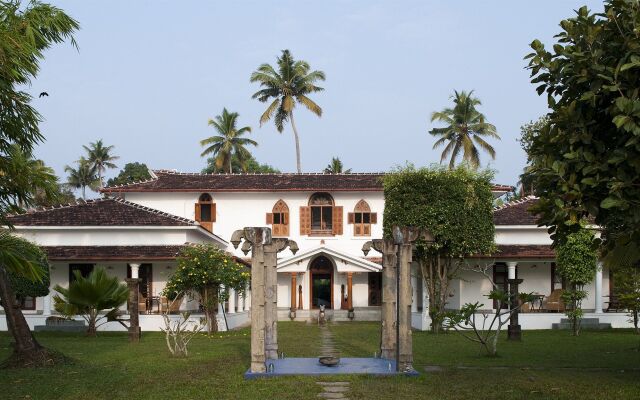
(149, 74)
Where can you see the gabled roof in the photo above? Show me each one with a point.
(516, 212)
(170, 181)
(99, 212)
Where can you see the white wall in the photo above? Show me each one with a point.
(111, 236)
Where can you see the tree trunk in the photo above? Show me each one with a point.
(230, 168)
(295, 135)
(209, 298)
(84, 197)
(635, 321)
(27, 352)
(92, 330)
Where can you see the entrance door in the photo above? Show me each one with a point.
(321, 283)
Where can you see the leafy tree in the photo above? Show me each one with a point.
(577, 263)
(229, 141)
(627, 290)
(83, 176)
(456, 207)
(26, 31)
(336, 167)
(24, 287)
(584, 161)
(100, 158)
(464, 126)
(207, 273)
(91, 295)
(62, 194)
(288, 84)
(132, 172)
(251, 165)
(528, 133)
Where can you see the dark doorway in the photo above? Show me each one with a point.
(375, 288)
(146, 279)
(321, 283)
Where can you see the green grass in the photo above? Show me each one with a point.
(546, 365)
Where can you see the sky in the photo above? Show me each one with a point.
(148, 75)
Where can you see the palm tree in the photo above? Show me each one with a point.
(336, 167)
(287, 85)
(229, 142)
(465, 125)
(82, 177)
(99, 156)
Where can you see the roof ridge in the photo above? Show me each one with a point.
(175, 172)
(151, 210)
(153, 177)
(515, 202)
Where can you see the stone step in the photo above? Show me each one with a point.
(567, 325)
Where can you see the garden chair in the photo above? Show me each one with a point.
(554, 302)
(170, 306)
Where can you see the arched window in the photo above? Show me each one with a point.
(205, 212)
(321, 217)
(362, 218)
(278, 218)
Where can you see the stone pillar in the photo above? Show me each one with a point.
(300, 303)
(232, 301)
(388, 310)
(414, 293)
(294, 287)
(271, 302)
(349, 290)
(514, 331)
(405, 340)
(598, 283)
(46, 305)
(134, 317)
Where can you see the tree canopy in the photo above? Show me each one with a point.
(132, 172)
(251, 165)
(229, 141)
(585, 159)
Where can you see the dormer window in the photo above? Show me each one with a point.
(362, 218)
(205, 212)
(279, 219)
(321, 217)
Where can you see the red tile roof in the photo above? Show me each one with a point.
(99, 212)
(516, 213)
(111, 253)
(169, 181)
(518, 251)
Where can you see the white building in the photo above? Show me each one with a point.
(330, 216)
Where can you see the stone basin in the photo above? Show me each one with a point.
(329, 361)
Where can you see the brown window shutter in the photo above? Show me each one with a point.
(213, 212)
(374, 218)
(337, 220)
(285, 221)
(351, 217)
(198, 214)
(269, 218)
(305, 220)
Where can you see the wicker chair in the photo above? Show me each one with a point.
(170, 306)
(554, 302)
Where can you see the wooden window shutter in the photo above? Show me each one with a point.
(337, 220)
(269, 218)
(351, 217)
(374, 218)
(198, 214)
(285, 227)
(305, 220)
(213, 212)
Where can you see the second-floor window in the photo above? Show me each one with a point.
(279, 219)
(362, 218)
(321, 217)
(205, 212)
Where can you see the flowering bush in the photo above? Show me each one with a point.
(208, 273)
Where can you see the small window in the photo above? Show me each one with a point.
(279, 219)
(205, 211)
(362, 218)
(321, 213)
(27, 303)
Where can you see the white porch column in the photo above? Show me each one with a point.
(414, 293)
(599, 287)
(46, 305)
(232, 301)
(135, 269)
(247, 300)
(241, 302)
(511, 269)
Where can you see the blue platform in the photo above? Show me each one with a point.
(312, 367)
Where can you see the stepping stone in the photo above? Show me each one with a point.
(336, 389)
(332, 396)
(333, 383)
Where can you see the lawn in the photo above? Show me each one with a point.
(546, 365)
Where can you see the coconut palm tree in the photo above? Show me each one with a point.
(465, 128)
(101, 158)
(336, 167)
(285, 86)
(82, 177)
(229, 142)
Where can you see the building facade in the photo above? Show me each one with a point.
(330, 216)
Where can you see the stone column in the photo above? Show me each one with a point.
(46, 305)
(405, 340)
(294, 286)
(247, 299)
(271, 302)
(514, 331)
(598, 283)
(349, 290)
(134, 317)
(300, 303)
(232, 301)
